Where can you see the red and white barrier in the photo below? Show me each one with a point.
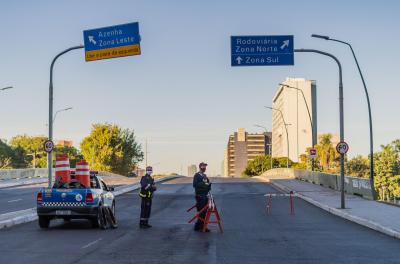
(82, 173)
(63, 168)
(269, 196)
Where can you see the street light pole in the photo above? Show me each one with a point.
(50, 155)
(287, 134)
(269, 145)
(309, 115)
(6, 88)
(341, 115)
(371, 137)
(58, 111)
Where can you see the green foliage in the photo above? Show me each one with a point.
(261, 164)
(73, 154)
(6, 155)
(358, 166)
(28, 151)
(110, 148)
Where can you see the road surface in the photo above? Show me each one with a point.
(251, 236)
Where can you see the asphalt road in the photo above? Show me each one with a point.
(18, 198)
(251, 236)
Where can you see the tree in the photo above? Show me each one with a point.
(358, 166)
(73, 154)
(261, 164)
(29, 150)
(111, 148)
(386, 169)
(327, 156)
(6, 155)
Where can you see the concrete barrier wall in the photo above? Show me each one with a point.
(35, 173)
(22, 174)
(353, 185)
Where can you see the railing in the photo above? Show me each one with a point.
(353, 185)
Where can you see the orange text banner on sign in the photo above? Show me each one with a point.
(122, 51)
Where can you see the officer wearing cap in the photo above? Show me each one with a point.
(202, 187)
(147, 189)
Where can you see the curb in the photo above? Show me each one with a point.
(355, 219)
(29, 215)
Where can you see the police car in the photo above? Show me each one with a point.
(75, 201)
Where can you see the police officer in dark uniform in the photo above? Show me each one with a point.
(147, 189)
(202, 187)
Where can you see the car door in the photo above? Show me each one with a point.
(108, 196)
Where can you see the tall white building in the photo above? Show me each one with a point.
(290, 101)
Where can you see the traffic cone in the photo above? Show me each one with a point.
(63, 174)
(82, 173)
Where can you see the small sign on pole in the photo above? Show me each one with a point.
(313, 153)
(342, 147)
(48, 146)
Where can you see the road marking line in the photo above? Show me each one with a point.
(91, 243)
(16, 200)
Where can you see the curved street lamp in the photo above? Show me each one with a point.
(287, 134)
(6, 88)
(61, 110)
(371, 137)
(268, 144)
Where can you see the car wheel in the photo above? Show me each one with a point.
(44, 221)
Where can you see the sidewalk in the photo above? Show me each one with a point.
(20, 182)
(375, 215)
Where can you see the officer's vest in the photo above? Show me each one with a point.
(145, 194)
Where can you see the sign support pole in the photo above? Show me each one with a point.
(50, 154)
(342, 197)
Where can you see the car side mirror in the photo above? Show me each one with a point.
(111, 188)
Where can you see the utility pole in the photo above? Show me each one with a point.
(147, 153)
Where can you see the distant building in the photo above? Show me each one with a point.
(243, 147)
(192, 169)
(67, 143)
(294, 110)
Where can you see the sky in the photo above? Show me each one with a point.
(181, 94)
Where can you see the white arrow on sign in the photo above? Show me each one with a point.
(239, 60)
(285, 44)
(91, 39)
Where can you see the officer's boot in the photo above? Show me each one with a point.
(146, 224)
(142, 224)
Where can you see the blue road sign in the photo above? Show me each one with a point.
(262, 50)
(112, 42)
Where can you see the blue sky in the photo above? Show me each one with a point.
(181, 93)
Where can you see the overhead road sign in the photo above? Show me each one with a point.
(112, 42)
(262, 50)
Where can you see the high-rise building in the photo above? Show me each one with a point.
(192, 169)
(291, 104)
(243, 147)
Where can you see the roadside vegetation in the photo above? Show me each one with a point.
(108, 148)
(386, 172)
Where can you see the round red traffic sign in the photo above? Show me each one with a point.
(342, 147)
(48, 146)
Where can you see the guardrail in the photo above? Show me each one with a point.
(13, 174)
(353, 185)
(22, 174)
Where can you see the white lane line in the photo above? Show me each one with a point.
(91, 243)
(13, 201)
